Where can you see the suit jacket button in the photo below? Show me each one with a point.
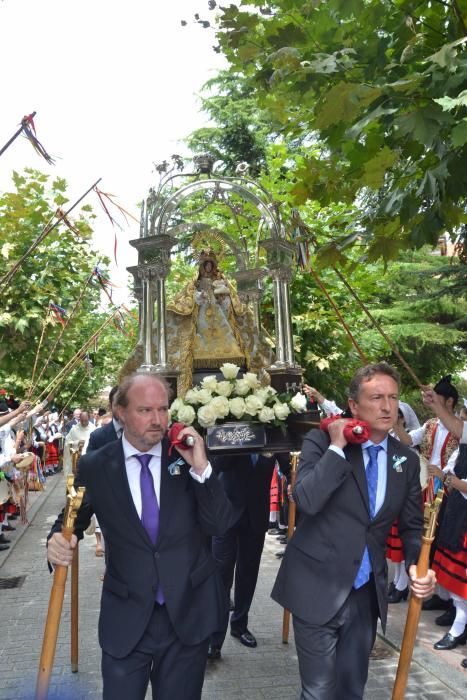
(156, 555)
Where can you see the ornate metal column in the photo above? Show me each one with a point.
(280, 264)
(145, 274)
(152, 269)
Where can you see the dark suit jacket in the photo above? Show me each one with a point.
(180, 561)
(324, 555)
(101, 436)
(246, 486)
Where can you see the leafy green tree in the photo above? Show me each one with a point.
(55, 272)
(413, 303)
(376, 93)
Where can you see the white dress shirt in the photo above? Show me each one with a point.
(133, 470)
(382, 467)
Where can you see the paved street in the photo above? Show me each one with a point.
(270, 671)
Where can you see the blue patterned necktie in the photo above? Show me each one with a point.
(149, 506)
(363, 574)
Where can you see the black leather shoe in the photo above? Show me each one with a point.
(8, 528)
(450, 642)
(214, 653)
(4, 540)
(274, 531)
(396, 596)
(4, 546)
(436, 603)
(246, 638)
(464, 663)
(447, 618)
(391, 587)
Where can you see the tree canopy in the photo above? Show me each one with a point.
(56, 272)
(376, 92)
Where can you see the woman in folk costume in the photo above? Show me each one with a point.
(53, 435)
(450, 560)
(436, 444)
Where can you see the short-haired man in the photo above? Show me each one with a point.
(162, 596)
(333, 577)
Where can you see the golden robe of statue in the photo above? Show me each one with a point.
(208, 325)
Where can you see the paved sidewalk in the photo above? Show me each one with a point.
(270, 671)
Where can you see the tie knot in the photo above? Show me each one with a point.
(144, 459)
(373, 451)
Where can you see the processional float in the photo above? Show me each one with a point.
(177, 219)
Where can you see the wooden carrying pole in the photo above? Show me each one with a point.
(49, 642)
(294, 456)
(75, 455)
(74, 611)
(415, 605)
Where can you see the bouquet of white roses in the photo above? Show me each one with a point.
(232, 399)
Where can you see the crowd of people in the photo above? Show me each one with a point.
(172, 585)
(35, 444)
(183, 531)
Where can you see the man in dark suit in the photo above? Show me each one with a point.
(333, 577)
(109, 432)
(246, 480)
(162, 595)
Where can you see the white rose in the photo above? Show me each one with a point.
(191, 396)
(224, 388)
(242, 387)
(298, 402)
(176, 405)
(252, 405)
(252, 380)
(204, 396)
(237, 407)
(221, 406)
(262, 395)
(206, 416)
(186, 414)
(281, 411)
(229, 370)
(266, 415)
(209, 383)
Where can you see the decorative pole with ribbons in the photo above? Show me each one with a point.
(65, 371)
(74, 499)
(74, 646)
(45, 232)
(29, 130)
(415, 604)
(67, 321)
(294, 457)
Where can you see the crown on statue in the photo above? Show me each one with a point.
(205, 255)
(207, 245)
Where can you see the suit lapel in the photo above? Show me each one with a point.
(118, 480)
(355, 457)
(168, 491)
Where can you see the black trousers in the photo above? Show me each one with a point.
(333, 659)
(176, 671)
(238, 553)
